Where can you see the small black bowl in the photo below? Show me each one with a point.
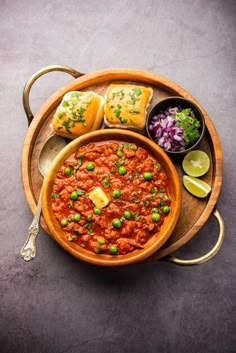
(184, 103)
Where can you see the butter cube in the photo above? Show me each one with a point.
(99, 198)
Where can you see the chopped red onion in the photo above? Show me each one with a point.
(165, 132)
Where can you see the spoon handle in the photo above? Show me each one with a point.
(28, 252)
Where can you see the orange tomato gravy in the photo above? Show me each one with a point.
(135, 185)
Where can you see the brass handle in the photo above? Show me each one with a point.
(35, 76)
(211, 253)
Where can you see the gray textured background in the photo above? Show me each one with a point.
(56, 303)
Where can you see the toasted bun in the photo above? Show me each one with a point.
(126, 106)
(78, 113)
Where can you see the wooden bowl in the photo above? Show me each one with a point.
(155, 242)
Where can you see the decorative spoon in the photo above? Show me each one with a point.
(53, 145)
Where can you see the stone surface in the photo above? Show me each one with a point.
(56, 303)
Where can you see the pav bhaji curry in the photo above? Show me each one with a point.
(111, 197)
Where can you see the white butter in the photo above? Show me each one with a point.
(99, 198)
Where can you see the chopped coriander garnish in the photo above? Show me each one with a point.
(55, 196)
(122, 218)
(65, 104)
(70, 204)
(70, 218)
(79, 163)
(72, 237)
(125, 145)
(130, 102)
(137, 91)
(61, 115)
(146, 203)
(190, 125)
(76, 95)
(80, 192)
(117, 164)
(67, 125)
(106, 182)
(117, 111)
(155, 210)
(153, 192)
(80, 160)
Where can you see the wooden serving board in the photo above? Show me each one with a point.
(194, 212)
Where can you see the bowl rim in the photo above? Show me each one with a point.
(192, 147)
(108, 260)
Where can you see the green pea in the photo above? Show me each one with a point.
(133, 147)
(89, 218)
(158, 168)
(101, 241)
(113, 249)
(156, 217)
(127, 214)
(90, 166)
(64, 222)
(77, 217)
(97, 211)
(116, 223)
(97, 250)
(116, 194)
(122, 170)
(166, 209)
(119, 153)
(74, 195)
(67, 171)
(147, 175)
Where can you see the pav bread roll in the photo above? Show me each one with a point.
(126, 106)
(78, 113)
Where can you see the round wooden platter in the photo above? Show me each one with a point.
(194, 212)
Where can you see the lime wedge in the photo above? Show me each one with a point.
(195, 186)
(196, 163)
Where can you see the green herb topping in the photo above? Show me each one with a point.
(189, 124)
